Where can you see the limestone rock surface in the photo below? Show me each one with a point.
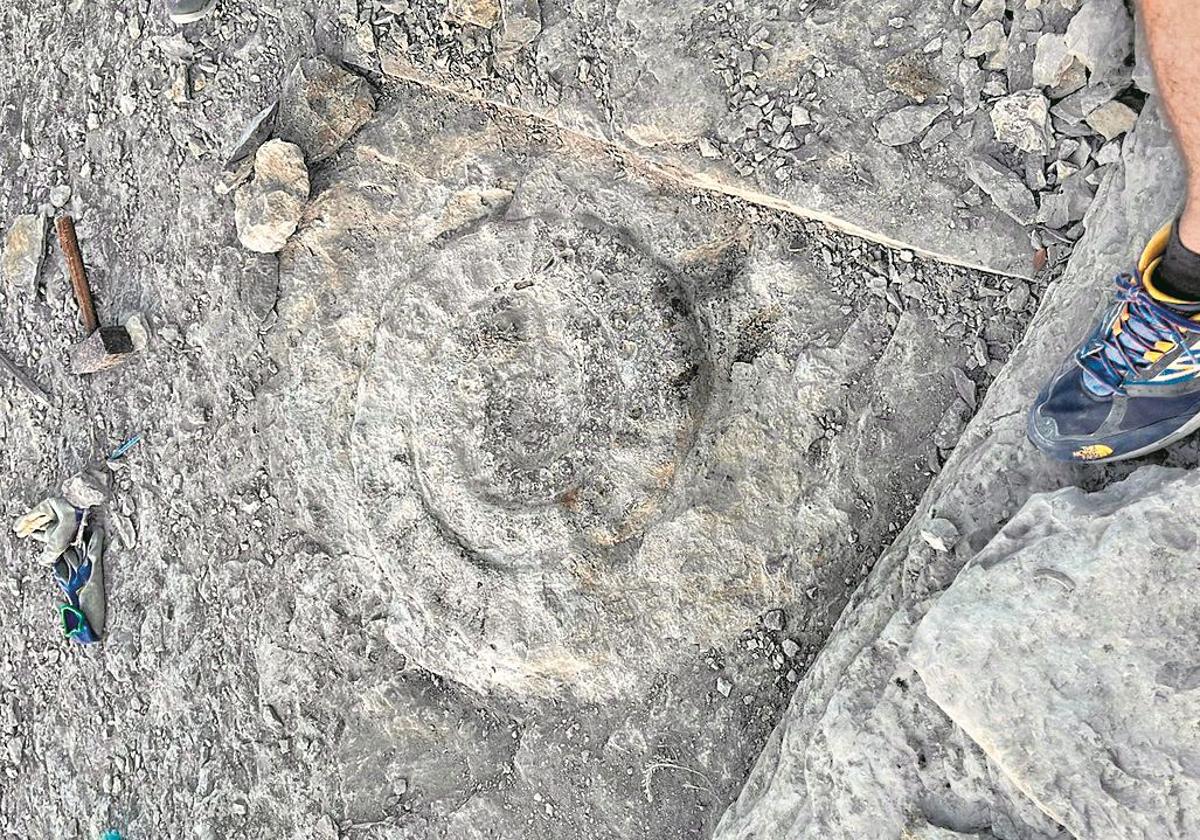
(710, 95)
(395, 736)
(573, 425)
(930, 832)
(268, 209)
(520, 24)
(864, 751)
(1067, 649)
(322, 105)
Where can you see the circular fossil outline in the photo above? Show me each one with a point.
(489, 532)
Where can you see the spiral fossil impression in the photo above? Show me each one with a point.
(544, 388)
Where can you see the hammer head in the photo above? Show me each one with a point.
(105, 348)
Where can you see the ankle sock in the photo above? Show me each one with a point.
(1178, 275)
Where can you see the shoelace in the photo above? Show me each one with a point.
(1142, 326)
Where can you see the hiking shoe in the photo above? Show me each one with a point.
(1133, 385)
(188, 11)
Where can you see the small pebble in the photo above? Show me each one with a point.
(1018, 297)
(60, 195)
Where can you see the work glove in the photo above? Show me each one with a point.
(55, 523)
(80, 575)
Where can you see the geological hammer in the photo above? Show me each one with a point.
(104, 347)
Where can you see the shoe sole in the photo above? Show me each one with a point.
(192, 17)
(1188, 428)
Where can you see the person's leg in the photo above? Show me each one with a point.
(1173, 30)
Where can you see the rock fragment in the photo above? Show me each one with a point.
(267, 210)
(971, 78)
(322, 106)
(253, 135)
(1076, 107)
(996, 85)
(1008, 193)
(483, 13)
(1022, 52)
(1023, 120)
(907, 124)
(987, 12)
(139, 331)
(520, 24)
(1068, 204)
(24, 247)
(1143, 72)
(1053, 60)
(965, 387)
(938, 132)
(1109, 153)
(1074, 78)
(87, 489)
(60, 195)
(939, 534)
(1101, 35)
(1018, 297)
(1112, 119)
(775, 620)
(988, 41)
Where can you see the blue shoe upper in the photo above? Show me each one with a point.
(1070, 403)
(1132, 337)
(1131, 386)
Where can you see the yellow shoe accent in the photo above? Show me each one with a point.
(1093, 452)
(1155, 292)
(1161, 348)
(1151, 259)
(1156, 247)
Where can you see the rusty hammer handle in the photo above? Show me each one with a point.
(83, 293)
